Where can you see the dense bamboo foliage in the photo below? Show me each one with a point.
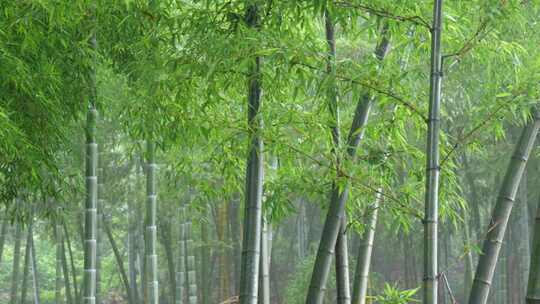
(269, 152)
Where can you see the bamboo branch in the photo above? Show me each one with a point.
(371, 87)
(418, 20)
(447, 285)
(463, 140)
(474, 40)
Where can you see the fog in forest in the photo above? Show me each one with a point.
(269, 152)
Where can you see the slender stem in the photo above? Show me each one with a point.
(264, 274)
(190, 266)
(181, 269)
(342, 265)
(99, 235)
(166, 240)
(333, 222)
(533, 285)
(430, 285)
(205, 264)
(72, 262)
(3, 233)
(119, 261)
(89, 286)
(360, 286)
(501, 213)
(35, 277)
(132, 247)
(16, 265)
(151, 229)
(249, 272)
(27, 258)
(58, 280)
(65, 270)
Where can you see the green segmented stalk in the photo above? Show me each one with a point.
(334, 215)
(190, 266)
(99, 235)
(3, 233)
(132, 247)
(58, 239)
(264, 272)
(90, 207)
(152, 284)
(27, 261)
(249, 270)
(363, 264)
(533, 286)
(341, 244)
(90, 227)
(16, 265)
(342, 265)
(360, 286)
(501, 213)
(35, 278)
(333, 222)
(180, 274)
(67, 238)
(432, 163)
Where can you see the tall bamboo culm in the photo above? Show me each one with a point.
(90, 208)
(501, 212)
(181, 265)
(132, 246)
(16, 265)
(35, 277)
(27, 261)
(264, 272)
(152, 285)
(430, 285)
(361, 279)
(335, 212)
(99, 233)
(59, 240)
(3, 233)
(533, 286)
(341, 245)
(338, 199)
(190, 266)
(249, 269)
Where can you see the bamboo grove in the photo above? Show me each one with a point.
(269, 151)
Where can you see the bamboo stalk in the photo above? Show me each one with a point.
(249, 271)
(119, 261)
(180, 273)
(152, 284)
(3, 233)
(360, 286)
(35, 277)
(533, 285)
(90, 227)
(333, 222)
(16, 265)
(27, 262)
(501, 213)
(430, 282)
(72, 263)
